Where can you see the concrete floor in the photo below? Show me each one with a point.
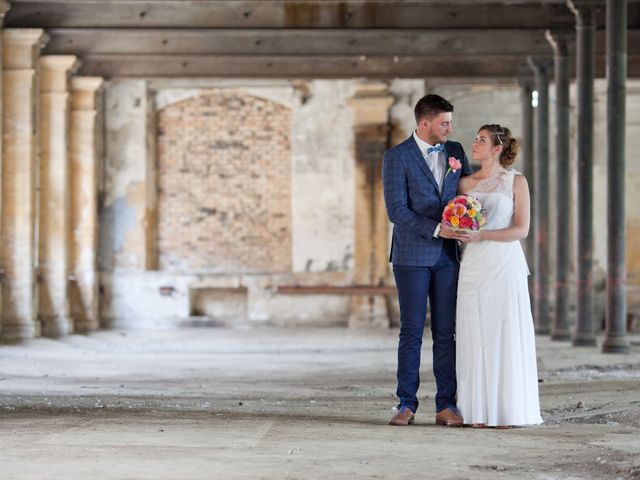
(291, 404)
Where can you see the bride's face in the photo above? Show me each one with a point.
(483, 147)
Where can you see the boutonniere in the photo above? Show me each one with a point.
(454, 165)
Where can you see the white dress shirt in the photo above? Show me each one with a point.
(435, 162)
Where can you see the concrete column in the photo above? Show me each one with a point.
(54, 218)
(560, 41)
(371, 128)
(4, 6)
(616, 340)
(84, 161)
(541, 67)
(20, 48)
(585, 56)
(526, 89)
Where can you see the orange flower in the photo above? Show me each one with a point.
(455, 221)
(459, 210)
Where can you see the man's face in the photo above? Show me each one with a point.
(439, 127)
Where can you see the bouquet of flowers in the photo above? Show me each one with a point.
(463, 213)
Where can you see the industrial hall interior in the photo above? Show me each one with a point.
(195, 276)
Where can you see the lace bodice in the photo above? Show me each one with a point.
(496, 196)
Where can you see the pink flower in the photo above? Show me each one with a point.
(454, 164)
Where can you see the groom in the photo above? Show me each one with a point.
(420, 176)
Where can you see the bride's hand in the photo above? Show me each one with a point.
(475, 236)
(448, 232)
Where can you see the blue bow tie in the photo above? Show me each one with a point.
(438, 148)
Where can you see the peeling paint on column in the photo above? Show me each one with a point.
(124, 229)
(116, 220)
(406, 94)
(323, 186)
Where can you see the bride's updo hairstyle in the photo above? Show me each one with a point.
(502, 136)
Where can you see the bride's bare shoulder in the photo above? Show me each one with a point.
(466, 183)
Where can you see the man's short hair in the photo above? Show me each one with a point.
(431, 106)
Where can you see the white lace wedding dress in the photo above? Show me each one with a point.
(495, 340)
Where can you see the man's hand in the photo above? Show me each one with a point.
(448, 232)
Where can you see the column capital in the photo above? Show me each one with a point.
(540, 65)
(584, 9)
(560, 40)
(4, 7)
(55, 71)
(59, 62)
(21, 46)
(526, 82)
(371, 103)
(84, 91)
(86, 84)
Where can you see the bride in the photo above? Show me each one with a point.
(495, 341)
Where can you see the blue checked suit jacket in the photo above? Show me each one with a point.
(414, 202)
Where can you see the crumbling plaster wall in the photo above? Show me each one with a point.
(136, 295)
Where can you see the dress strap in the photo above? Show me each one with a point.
(509, 180)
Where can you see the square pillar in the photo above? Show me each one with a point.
(371, 128)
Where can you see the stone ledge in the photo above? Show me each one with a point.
(337, 290)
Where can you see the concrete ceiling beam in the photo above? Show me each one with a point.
(292, 14)
(265, 66)
(311, 42)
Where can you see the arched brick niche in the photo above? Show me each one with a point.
(224, 178)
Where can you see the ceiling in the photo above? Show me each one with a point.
(310, 38)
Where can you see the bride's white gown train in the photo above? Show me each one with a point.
(495, 340)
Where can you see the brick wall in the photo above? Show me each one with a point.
(224, 178)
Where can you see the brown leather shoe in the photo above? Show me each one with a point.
(404, 417)
(449, 418)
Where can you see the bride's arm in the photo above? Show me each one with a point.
(519, 229)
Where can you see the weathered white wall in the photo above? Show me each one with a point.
(633, 195)
(476, 105)
(322, 200)
(632, 187)
(323, 178)
(127, 293)
(125, 173)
